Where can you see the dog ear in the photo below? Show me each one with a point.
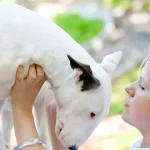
(110, 62)
(83, 73)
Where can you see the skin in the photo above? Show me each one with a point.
(50, 107)
(23, 95)
(137, 105)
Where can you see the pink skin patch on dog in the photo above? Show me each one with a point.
(77, 74)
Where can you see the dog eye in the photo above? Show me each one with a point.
(92, 115)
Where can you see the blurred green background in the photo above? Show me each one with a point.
(80, 28)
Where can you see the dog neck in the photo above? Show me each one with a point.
(56, 68)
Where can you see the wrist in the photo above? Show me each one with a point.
(22, 111)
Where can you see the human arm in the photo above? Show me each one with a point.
(23, 95)
(50, 107)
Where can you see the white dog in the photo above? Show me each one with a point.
(82, 86)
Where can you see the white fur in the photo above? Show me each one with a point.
(27, 38)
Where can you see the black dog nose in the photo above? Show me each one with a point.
(72, 148)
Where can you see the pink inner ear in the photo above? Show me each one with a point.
(77, 73)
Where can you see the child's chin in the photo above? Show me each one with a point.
(124, 116)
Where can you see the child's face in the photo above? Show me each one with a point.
(137, 103)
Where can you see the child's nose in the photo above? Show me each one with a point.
(130, 90)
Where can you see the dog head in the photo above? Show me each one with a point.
(86, 100)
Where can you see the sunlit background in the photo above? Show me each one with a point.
(102, 27)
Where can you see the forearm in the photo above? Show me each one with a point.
(51, 118)
(25, 128)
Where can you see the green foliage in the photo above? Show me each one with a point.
(81, 29)
(118, 92)
(146, 5)
(8, 1)
(127, 4)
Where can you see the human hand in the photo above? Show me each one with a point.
(25, 90)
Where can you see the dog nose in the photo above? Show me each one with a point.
(73, 148)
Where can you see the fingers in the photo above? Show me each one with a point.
(40, 73)
(19, 73)
(31, 74)
(36, 73)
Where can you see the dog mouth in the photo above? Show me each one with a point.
(62, 138)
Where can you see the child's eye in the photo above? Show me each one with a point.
(141, 87)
